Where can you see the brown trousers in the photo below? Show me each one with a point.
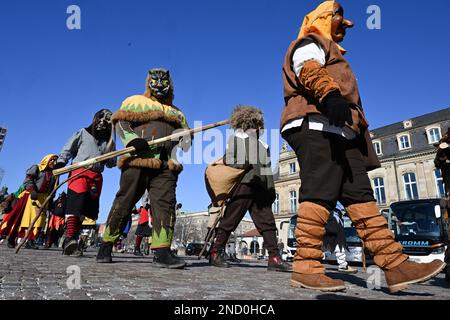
(249, 198)
(161, 185)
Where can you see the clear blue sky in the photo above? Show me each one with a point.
(220, 53)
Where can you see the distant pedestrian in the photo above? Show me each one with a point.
(231, 248)
(143, 229)
(55, 228)
(280, 247)
(335, 242)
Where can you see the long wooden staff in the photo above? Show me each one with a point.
(211, 232)
(44, 206)
(363, 257)
(114, 154)
(88, 163)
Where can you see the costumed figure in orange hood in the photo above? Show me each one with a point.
(324, 123)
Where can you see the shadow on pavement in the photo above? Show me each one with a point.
(127, 261)
(406, 294)
(332, 296)
(439, 282)
(349, 278)
(232, 266)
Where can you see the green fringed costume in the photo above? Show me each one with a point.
(155, 169)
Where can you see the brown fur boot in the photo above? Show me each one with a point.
(373, 230)
(310, 229)
(308, 271)
(318, 281)
(409, 272)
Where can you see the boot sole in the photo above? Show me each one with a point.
(401, 286)
(297, 284)
(278, 270)
(76, 254)
(70, 248)
(104, 260)
(348, 272)
(175, 266)
(223, 267)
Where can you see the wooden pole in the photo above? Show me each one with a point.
(211, 232)
(118, 153)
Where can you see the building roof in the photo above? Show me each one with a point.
(250, 234)
(418, 135)
(420, 121)
(184, 214)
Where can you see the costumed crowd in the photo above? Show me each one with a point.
(324, 123)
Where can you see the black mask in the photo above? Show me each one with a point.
(159, 83)
(101, 125)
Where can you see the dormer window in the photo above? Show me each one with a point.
(377, 147)
(434, 134)
(404, 141)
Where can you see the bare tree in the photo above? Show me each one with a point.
(183, 230)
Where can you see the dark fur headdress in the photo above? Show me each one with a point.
(247, 117)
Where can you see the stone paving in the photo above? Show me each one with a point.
(46, 274)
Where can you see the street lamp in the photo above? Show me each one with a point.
(2, 136)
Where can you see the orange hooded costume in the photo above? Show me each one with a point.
(306, 94)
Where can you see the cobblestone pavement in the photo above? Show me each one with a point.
(44, 274)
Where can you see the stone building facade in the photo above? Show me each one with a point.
(287, 185)
(407, 155)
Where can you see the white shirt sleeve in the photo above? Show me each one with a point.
(308, 50)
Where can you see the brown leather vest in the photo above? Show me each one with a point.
(299, 103)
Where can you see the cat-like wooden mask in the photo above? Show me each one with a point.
(159, 83)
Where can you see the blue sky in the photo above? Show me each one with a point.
(220, 54)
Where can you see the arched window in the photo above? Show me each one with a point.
(254, 247)
(410, 182)
(243, 247)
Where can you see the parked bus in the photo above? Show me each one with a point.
(353, 254)
(421, 226)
